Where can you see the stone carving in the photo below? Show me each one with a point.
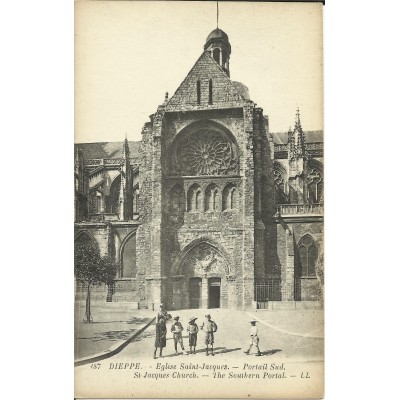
(279, 182)
(206, 152)
(314, 176)
(315, 186)
(204, 259)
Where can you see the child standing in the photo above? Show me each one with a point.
(210, 327)
(177, 329)
(192, 329)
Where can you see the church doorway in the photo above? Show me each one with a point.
(195, 292)
(199, 279)
(214, 293)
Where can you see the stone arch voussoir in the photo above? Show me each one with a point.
(178, 262)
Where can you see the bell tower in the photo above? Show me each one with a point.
(217, 44)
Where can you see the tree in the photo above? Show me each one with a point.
(92, 270)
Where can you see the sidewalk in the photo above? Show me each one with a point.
(113, 324)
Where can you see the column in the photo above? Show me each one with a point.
(288, 271)
(156, 289)
(102, 208)
(204, 292)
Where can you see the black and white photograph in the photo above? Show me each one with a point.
(198, 200)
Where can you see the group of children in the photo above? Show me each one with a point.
(209, 327)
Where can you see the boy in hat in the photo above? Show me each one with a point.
(254, 339)
(177, 329)
(209, 326)
(161, 336)
(192, 329)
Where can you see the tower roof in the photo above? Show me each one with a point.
(218, 34)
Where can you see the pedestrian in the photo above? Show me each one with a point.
(161, 336)
(192, 329)
(210, 327)
(176, 330)
(254, 339)
(162, 312)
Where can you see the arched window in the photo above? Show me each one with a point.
(95, 202)
(230, 197)
(128, 258)
(213, 198)
(210, 90)
(198, 92)
(113, 198)
(315, 185)
(224, 59)
(85, 239)
(216, 55)
(308, 255)
(177, 199)
(195, 198)
(136, 201)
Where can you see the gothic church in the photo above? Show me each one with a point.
(209, 209)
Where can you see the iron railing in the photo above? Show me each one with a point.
(267, 290)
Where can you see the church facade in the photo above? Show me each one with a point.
(209, 209)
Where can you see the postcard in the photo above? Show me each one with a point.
(198, 178)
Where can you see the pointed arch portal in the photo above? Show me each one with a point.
(201, 278)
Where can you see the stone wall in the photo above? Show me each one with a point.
(294, 285)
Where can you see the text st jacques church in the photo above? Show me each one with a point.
(209, 209)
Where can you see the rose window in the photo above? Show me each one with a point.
(205, 153)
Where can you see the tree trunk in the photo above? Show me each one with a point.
(88, 317)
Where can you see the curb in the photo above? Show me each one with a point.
(116, 348)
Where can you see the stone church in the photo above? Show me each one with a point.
(209, 209)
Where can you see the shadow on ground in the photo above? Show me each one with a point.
(217, 350)
(113, 335)
(270, 352)
(144, 335)
(136, 320)
(105, 322)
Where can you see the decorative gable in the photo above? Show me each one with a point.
(205, 87)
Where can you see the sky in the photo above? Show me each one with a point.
(129, 53)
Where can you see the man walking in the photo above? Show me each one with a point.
(176, 330)
(210, 327)
(254, 339)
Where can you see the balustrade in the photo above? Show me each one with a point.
(309, 146)
(314, 146)
(294, 209)
(280, 147)
(93, 162)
